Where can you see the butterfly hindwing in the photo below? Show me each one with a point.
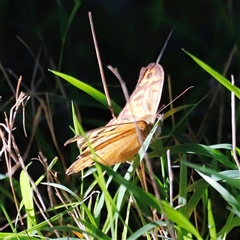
(111, 145)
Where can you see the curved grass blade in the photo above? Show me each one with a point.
(180, 219)
(99, 96)
(193, 148)
(143, 230)
(224, 81)
(229, 198)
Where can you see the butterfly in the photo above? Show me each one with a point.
(119, 141)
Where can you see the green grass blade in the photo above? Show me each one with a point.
(225, 176)
(198, 187)
(99, 96)
(125, 228)
(5, 212)
(27, 197)
(95, 231)
(211, 222)
(193, 148)
(178, 109)
(138, 193)
(182, 199)
(62, 187)
(225, 82)
(229, 198)
(119, 197)
(231, 223)
(41, 225)
(180, 219)
(143, 230)
(69, 22)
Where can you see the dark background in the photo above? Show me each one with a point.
(130, 35)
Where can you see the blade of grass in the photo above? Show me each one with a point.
(27, 197)
(99, 96)
(225, 82)
(182, 199)
(211, 222)
(229, 198)
(193, 148)
(70, 20)
(146, 228)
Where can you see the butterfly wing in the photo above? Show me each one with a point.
(144, 101)
(111, 144)
(118, 141)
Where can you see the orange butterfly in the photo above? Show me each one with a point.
(118, 141)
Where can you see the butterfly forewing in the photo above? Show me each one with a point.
(144, 101)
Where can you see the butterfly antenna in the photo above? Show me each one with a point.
(100, 65)
(165, 45)
(174, 99)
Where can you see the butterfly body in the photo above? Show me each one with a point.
(118, 141)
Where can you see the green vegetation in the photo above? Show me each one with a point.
(195, 160)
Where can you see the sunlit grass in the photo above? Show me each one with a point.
(198, 183)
